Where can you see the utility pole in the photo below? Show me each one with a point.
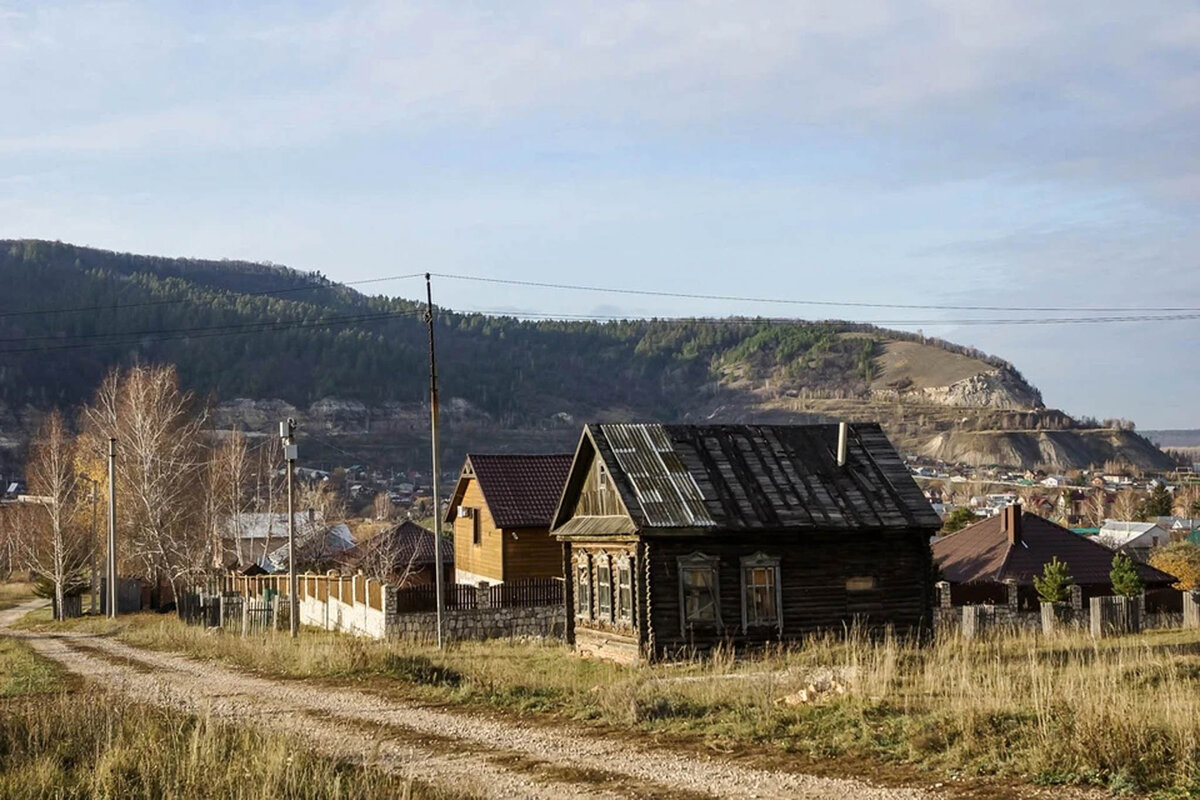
(287, 432)
(95, 550)
(112, 528)
(437, 504)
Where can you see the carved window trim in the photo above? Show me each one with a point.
(699, 564)
(583, 586)
(754, 567)
(604, 586)
(623, 582)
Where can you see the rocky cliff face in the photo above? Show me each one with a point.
(998, 388)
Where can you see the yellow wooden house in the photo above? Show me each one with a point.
(500, 513)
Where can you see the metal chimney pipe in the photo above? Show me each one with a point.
(843, 434)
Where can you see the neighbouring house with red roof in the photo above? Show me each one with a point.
(500, 513)
(979, 560)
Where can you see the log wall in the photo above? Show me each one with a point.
(814, 572)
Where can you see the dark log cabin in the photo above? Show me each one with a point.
(679, 537)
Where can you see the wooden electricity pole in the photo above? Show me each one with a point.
(437, 504)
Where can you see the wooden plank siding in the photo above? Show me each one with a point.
(487, 558)
(596, 500)
(532, 553)
(812, 576)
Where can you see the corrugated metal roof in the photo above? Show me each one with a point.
(766, 477)
(665, 490)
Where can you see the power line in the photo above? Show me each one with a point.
(264, 293)
(784, 301)
(789, 320)
(212, 331)
(171, 334)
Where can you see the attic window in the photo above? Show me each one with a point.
(602, 476)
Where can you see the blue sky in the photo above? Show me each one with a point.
(1013, 154)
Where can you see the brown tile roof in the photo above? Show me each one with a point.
(756, 477)
(407, 543)
(521, 491)
(984, 553)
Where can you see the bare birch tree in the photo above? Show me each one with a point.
(229, 482)
(53, 543)
(159, 469)
(1127, 505)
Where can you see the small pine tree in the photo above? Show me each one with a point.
(1158, 504)
(1054, 584)
(1125, 579)
(956, 520)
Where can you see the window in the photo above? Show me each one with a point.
(602, 476)
(624, 589)
(860, 583)
(603, 588)
(761, 592)
(698, 592)
(583, 588)
(476, 533)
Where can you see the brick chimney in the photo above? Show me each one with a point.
(1010, 523)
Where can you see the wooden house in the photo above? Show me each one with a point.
(685, 536)
(500, 512)
(1014, 546)
(403, 555)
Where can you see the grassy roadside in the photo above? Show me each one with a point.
(15, 593)
(1122, 714)
(63, 738)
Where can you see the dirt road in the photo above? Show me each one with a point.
(467, 753)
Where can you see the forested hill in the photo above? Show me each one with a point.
(68, 314)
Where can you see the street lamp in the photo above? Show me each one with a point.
(287, 432)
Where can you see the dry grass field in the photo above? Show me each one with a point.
(61, 738)
(1122, 714)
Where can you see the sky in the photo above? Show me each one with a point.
(1018, 155)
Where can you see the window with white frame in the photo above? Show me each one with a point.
(604, 589)
(761, 592)
(583, 587)
(698, 592)
(624, 569)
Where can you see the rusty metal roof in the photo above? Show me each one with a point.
(759, 477)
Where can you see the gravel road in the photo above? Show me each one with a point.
(466, 753)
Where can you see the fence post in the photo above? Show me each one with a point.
(483, 595)
(245, 615)
(1191, 609)
(943, 590)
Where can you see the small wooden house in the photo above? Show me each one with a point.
(1014, 546)
(403, 555)
(500, 512)
(685, 536)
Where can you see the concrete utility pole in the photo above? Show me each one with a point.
(437, 504)
(287, 432)
(112, 528)
(95, 586)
